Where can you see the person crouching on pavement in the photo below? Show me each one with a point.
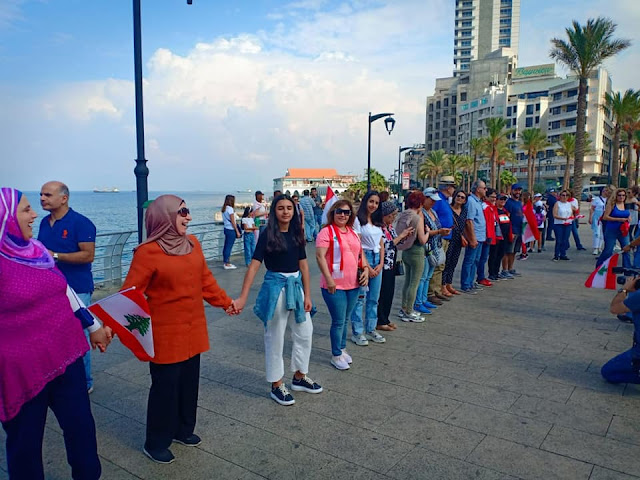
(285, 290)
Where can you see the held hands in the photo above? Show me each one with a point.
(100, 339)
(236, 307)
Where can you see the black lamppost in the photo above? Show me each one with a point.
(400, 150)
(389, 122)
(141, 170)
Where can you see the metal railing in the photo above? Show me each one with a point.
(114, 251)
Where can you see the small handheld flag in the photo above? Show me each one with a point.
(330, 199)
(127, 313)
(603, 276)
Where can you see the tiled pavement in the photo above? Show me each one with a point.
(501, 385)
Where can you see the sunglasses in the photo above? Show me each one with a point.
(183, 212)
(564, 195)
(461, 196)
(341, 211)
(502, 198)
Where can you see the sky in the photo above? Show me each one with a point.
(237, 92)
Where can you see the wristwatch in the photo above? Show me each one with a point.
(55, 257)
(623, 290)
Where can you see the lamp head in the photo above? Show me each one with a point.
(389, 122)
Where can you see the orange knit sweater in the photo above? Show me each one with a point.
(175, 287)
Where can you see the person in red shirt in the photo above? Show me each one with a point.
(491, 218)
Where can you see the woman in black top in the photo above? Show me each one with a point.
(285, 290)
(459, 207)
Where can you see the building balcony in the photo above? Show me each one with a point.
(561, 130)
(562, 116)
(563, 101)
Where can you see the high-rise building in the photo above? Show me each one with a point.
(481, 27)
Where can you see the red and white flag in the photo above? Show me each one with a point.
(127, 313)
(329, 200)
(603, 276)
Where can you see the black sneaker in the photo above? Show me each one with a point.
(281, 395)
(305, 384)
(555, 259)
(160, 456)
(581, 248)
(565, 258)
(192, 440)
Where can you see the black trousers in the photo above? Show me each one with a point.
(67, 396)
(387, 291)
(173, 401)
(496, 252)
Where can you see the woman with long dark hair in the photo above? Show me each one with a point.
(368, 225)
(617, 227)
(231, 231)
(338, 252)
(459, 207)
(285, 290)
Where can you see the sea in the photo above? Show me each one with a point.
(116, 212)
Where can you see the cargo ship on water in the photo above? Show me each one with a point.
(106, 190)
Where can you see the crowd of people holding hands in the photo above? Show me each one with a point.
(359, 252)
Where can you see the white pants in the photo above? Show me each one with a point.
(301, 334)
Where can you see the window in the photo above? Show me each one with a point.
(505, 31)
(572, 93)
(557, 96)
(453, 101)
(437, 137)
(505, 22)
(445, 124)
(465, 34)
(537, 119)
(453, 109)
(571, 122)
(556, 111)
(466, 23)
(452, 144)
(528, 123)
(445, 102)
(515, 109)
(463, 96)
(431, 107)
(465, 53)
(465, 43)
(437, 115)
(508, 111)
(555, 125)
(436, 146)
(464, 66)
(467, 14)
(438, 105)
(445, 113)
(445, 134)
(505, 12)
(429, 137)
(452, 132)
(572, 108)
(529, 109)
(430, 118)
(550, 153)
(537, 107)
(437, 125)
(505, 42)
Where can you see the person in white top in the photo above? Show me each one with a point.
(231, 231)
(368, 225)
(248, 227)
(596, 210)
(260, 213)
(563, 216)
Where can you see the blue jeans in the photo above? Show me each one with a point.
(469, 266)
(369, 300)
(67, 397)
(86, 299)
(318, 221)
(229, 240)
(340, 306)
(562, 239)
(249, 246)
(482, 260)
(610, 237)
(622, 368)
(310, 228)
(423, 286)
(574, 232)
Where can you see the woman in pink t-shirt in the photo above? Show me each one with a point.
(339, 256)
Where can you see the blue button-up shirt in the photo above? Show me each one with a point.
(444, 212)
(476, 214)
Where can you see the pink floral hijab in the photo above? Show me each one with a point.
(13, 246)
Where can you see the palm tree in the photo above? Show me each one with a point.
(496, 135)
(454, 164)
(467, 164)
(507, 178)
(621, 107)
(532, 140)
(636, 147)
(476, 146)
(583, 52)
(567, 148)
(630, 127)
(434, 166)
(504, 154)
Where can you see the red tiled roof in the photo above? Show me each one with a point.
(312, 172)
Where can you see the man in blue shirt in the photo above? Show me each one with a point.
(625, 368)
(317, 208)
(307, 204)
(514, 207)
(71, 240)
(476, 233)
(551, 201)
(446, 187)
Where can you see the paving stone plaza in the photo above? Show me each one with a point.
(501, 385)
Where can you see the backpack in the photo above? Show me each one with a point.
(404, 221)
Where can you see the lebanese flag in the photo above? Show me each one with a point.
(127, 313)
(603, 276)
(329, 200)
(531, 231)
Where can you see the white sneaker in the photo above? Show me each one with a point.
(360, 340)
(375, 337)
(346, 356)
(340, 362)
(595, 252)
(414, 317)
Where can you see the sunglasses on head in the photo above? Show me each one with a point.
(343, 211)
(183, 212)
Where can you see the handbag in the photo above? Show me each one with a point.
(436, 257)
(463, 240)
(398, 268)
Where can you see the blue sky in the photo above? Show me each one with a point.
(236, 92)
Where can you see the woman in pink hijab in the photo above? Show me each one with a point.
(41, 348)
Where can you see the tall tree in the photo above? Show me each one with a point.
(476, 145)
(584, 50)
(621, 106)
(434, 166)
(630, 127)
(454, 164)
(567, 148)
(467, 164)
(532, 141)
(496, 135)
(504, 155)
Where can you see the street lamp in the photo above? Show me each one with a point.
(141, 170)
(389, 122)
(400, 150)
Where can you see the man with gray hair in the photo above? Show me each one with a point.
(71, 240)
(446, 187)
(476, 232)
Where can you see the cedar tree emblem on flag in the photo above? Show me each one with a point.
(603, 276)
(127, 313)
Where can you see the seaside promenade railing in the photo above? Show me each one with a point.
(114, 251)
